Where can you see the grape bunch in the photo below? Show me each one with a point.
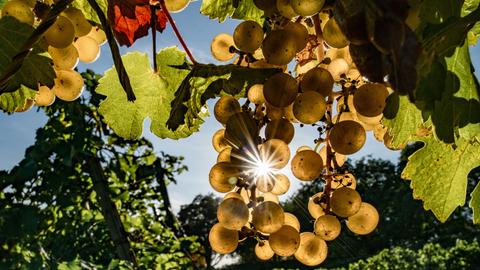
(72, 38)
(324, 91)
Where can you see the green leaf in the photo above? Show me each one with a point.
(154, 95)
(11, 101)
(2, 2)
(434, 11)
(402, 118)
(438, 174)
(475, 204)
(468, 7)
(221, 9)
(88, 11)
(37, 66)
(207, 81)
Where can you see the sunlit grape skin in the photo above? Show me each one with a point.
(307, 165)
(279, 47)
(232, 214)
(285, 241)
(347, 137)
(312, 250)
(345, 202)
(248, 36)
(280, 90)
(268, 217)
(61, 34)
(223, 240)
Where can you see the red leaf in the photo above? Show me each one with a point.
(131, 20)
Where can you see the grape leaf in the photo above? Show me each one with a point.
(154, 95)
(37, 66)
(11, 101)
(221, 9)
(438, 174)
(468, 7)
(131, 20)
(475, 204)
(88, 11)
(208, 81)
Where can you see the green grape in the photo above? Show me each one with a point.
(333, 35)
(61, 34)
(223, 240)
(218, 140)
(309, 107)
(339, 158)
(370, 99)
(225, 107)
(280, 129)
(285, 241)
(26, 106)
(337, 68)
(263, 251)
(364, 221)
(68, 85)
(282, 184)
(224, 155)
(241, 131)
(315, 208)
(248, 36)
(343, 180)
(275, 153)
(175, 6)
(280, 90)
(307, 7)
(268, 217)
(98, 35)
(292, 220)
(64, 58)
(19, 10)
(318, 80)
(345, 202)
(223, 177)
(44, 97)
(327, 227)
(300, 33)
(220, 47)
(307, 165)
(312, 250)
(80, 24)
(285, 9)
(233, 214)
(255, 94)
(279, 47)
(88, 49)
(347, 137)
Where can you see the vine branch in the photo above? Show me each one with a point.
(117, 59)
(25, 50)
(153, 25)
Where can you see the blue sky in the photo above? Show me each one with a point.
(18, 130)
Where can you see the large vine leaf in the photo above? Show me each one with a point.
(475, 204)
(154, 95)
(207, 81)
(236, 9)
(438, 174)
(468, 7)
(88, 11)
(36, 68)
(11, 101)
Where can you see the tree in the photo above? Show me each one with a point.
(86, 196)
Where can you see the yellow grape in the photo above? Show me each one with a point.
(234, 195)
(88, 49)
(337, 68)
(285, 9)
(265, 183)
(218, 140)
(285, 241)
(248, 36)
(333, 35)
(68, 85)
(280, 90)
(274, 113)
(282, 184)
(345, 202)
(347, 137)
(223, 177)
(307, 165)
(339, 158)
(307, 7)
(279, 47)
(315, 209)
(312, 250)
(61, 34)
(288, 114)
(19, 10)
(327, 227)
(369, 122)
(263, 251)
(370, 99)
(300, 33)
(309, 107)
(319, 80)
(255, 94)
(80, 24)
(220, 47)
(98, 35)
(223, 240)
(175, 6)
(275, 152)
(30, 3)
(268, 217)
(241, 130)
(364, 221)
(343, 53)
(232, 213)
(224, 155)
(45, 96)
(64, 58)
(292, 220)
(225, 107)
(303, 148)
(280, 129)
(26, 106)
